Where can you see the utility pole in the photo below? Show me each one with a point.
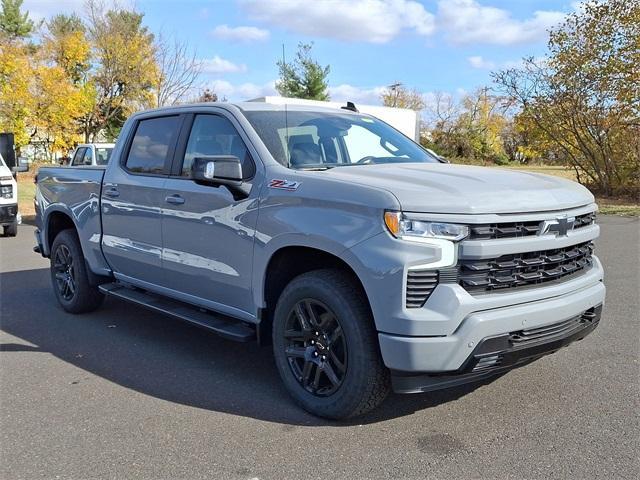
(395, 88)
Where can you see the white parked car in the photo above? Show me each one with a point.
(92, 154)
(9, 216)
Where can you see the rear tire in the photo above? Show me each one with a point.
(11, 230)
(326, 347)
(69, 276)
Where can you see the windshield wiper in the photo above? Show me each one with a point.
(315, 166)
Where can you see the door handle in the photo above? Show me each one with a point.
(174, 199)
(112, 192)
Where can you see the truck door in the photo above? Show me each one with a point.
(207, 233)
(132, 198)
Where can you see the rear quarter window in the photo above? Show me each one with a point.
(152, 144)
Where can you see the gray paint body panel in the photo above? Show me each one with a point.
(214, 251)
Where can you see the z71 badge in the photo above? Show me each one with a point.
(284, 184)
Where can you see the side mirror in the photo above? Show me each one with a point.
(217, 170)
(22, 166)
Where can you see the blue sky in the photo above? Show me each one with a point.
(448, 45)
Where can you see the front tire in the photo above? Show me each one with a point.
(326, 347)
(69, 275)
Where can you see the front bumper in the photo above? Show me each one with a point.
(8, 213)
(500, 353)
(448, 353)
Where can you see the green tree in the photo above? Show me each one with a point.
(304, 77)
(584, 97)
(13, 23)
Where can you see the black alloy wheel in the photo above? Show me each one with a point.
(64, 272)
(69, 275)
(325, 345)
(315, 347)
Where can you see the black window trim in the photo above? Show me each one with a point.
(170, 153)
(183, 139)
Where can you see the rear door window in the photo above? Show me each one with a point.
(153, 145)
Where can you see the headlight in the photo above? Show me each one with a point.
(418, 230)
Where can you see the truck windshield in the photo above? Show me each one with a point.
(319, 140)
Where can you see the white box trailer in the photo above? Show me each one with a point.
(401, 119)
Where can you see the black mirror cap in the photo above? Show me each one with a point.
(216, 169)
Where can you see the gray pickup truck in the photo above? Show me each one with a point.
(367, 263)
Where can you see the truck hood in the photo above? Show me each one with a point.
(444, 188)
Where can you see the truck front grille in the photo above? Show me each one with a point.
(523, 269)
(494, 231)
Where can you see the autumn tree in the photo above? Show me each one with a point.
(473, 127)
(304, 77)
(585, 95)
(64, 93)
(399, 96)
(16, 99)
(126, 71)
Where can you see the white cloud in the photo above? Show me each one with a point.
(44, 9)
(375, 21)
(219, 65)
(242, 33)
(346, 92)
(478, 62)
(243, 91)
(466, 21)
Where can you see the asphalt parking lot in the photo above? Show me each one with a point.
(124, 393)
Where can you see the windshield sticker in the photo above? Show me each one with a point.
(284, 184)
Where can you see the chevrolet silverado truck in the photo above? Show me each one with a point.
(366, 262)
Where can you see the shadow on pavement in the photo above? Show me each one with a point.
(173, 361)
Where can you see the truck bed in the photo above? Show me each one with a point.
(76, 192)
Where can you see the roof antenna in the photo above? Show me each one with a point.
(286, 117)
(351, 106)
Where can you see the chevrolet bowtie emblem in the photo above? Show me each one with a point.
(560, 226)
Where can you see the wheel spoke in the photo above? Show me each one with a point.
(306, 373)
(335, 335)
(311, 314)
(325, 320)
(331, 374)
(295, 352)
(61, 276)
(295, 335)
(336, 361)
(302, 318)
(316, 378)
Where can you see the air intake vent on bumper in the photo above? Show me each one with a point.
(420, 284)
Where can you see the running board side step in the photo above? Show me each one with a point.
(226, 327)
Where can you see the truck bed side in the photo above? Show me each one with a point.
(72, 194)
